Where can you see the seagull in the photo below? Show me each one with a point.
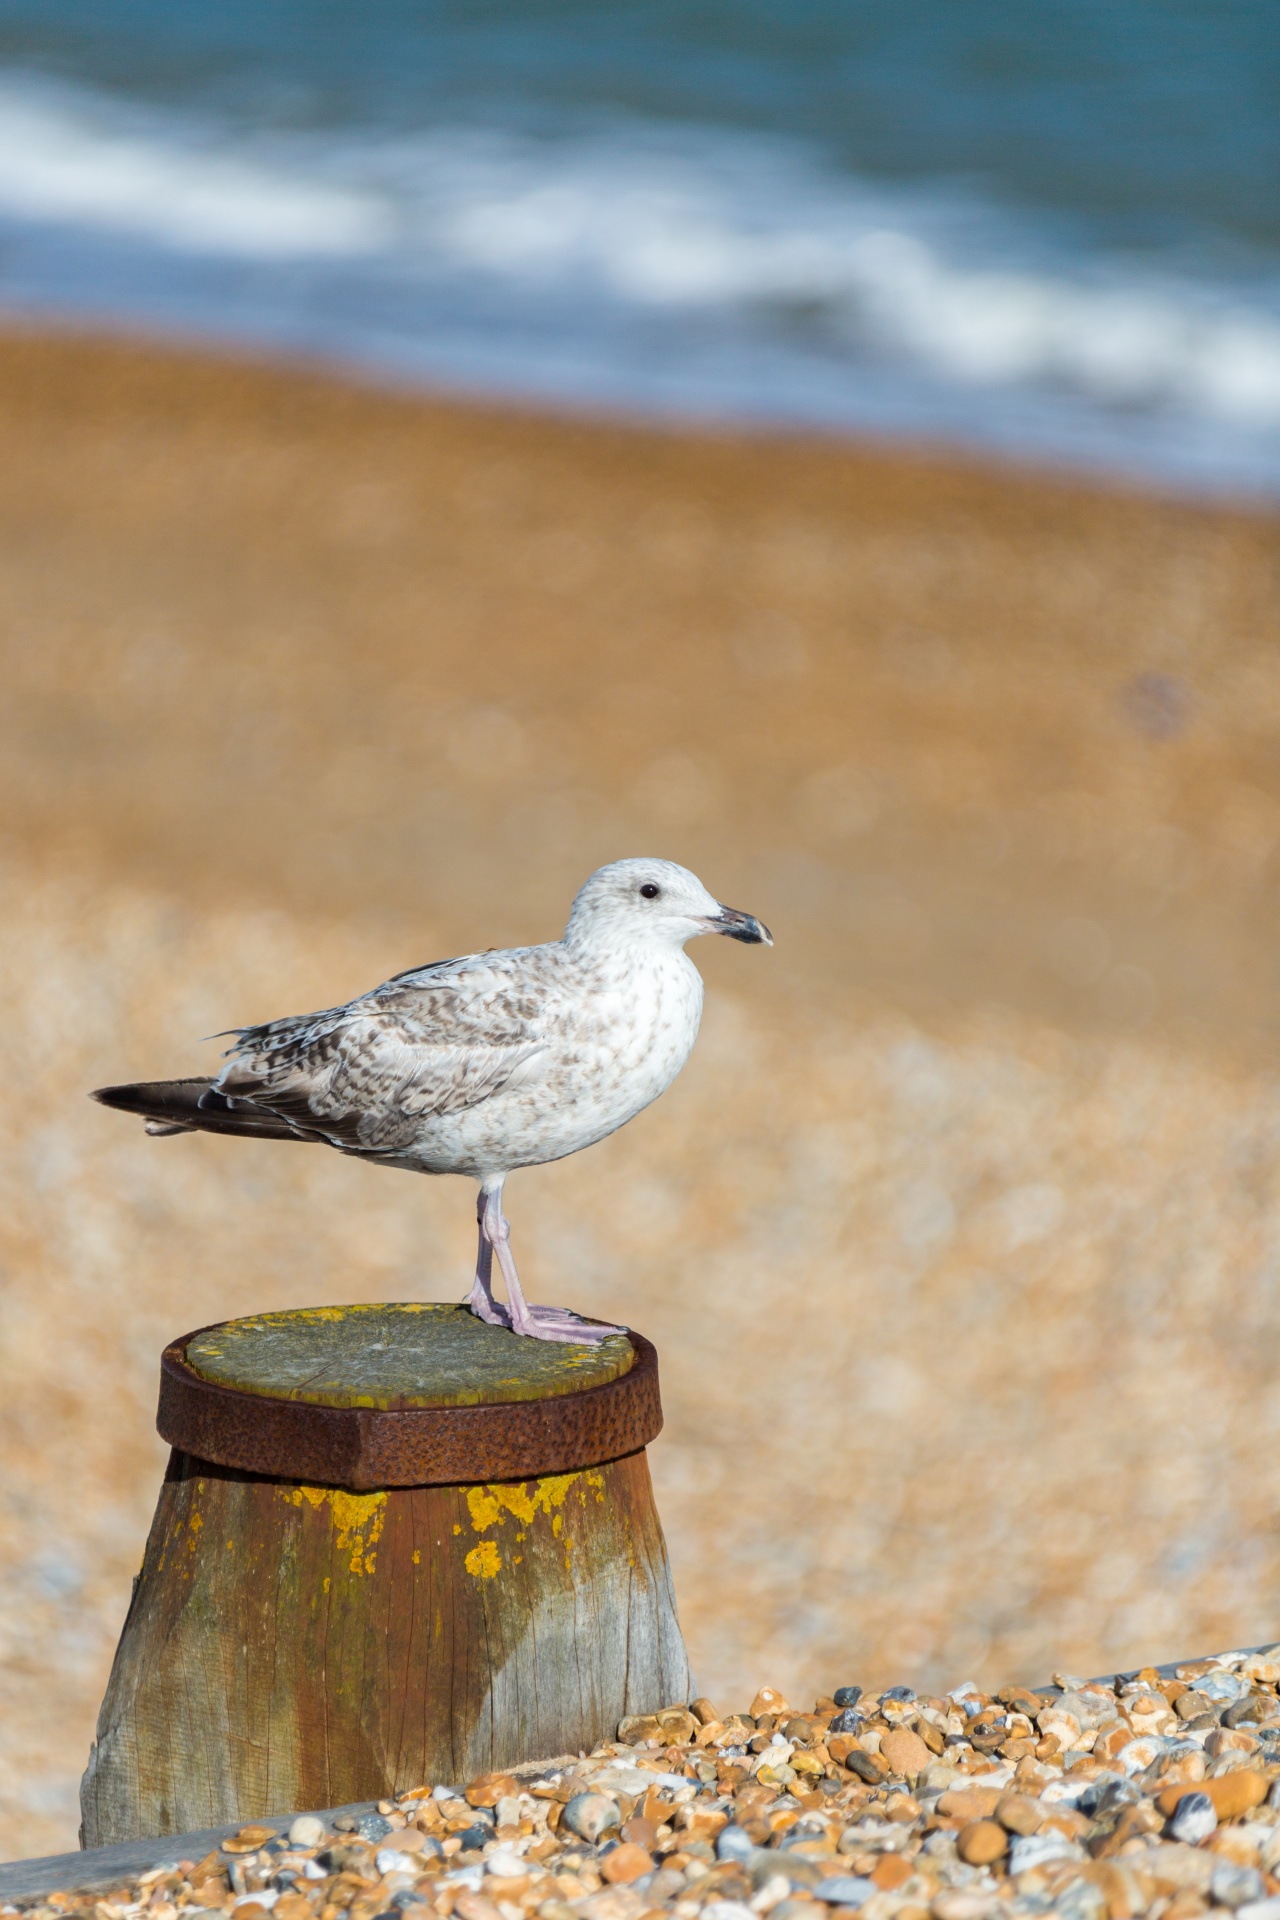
(482, 1064)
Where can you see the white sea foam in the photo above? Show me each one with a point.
(666, 266)
(873, 272)
(71, 159)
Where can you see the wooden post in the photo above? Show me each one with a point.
(393, 1546)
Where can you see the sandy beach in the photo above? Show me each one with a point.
(958, 1237)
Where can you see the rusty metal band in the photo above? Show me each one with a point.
(363, 1448)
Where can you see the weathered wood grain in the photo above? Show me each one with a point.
(291, 1645)
(299, 1644)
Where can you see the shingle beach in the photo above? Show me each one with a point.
(959, 1236)
(1091, 1801)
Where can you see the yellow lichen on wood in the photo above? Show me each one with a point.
(484, 1561)
(357, 1519)
(487, 1504)
(352, 1513)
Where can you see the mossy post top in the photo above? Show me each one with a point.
(403, 1394)
(408, 1354)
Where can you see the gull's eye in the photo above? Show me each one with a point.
(649, 892)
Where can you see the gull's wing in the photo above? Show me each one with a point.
(432, 1041)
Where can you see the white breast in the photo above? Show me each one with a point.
(617, 1033)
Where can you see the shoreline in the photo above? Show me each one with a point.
(918, 449)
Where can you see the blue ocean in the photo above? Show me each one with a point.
(1048, 229)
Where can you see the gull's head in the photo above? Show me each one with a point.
(653, 903)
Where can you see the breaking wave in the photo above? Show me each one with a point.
(723, 273)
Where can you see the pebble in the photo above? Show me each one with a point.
(503, 1865)
(392, 1860)
(981, 1842)
(845, 1890)
(969, 1803)
(666, 1884)
(588, 1815)
(625, 1863)
(655, 1826)
(905, 1751)
(248, 1840)
(1222, 1685)
(471, 1839)
(963, 1905)
(1039, 1849)
(1236, 1886)
(1232, 1793)
(1018, 1814)
(1194, 1819)
(474, 1906)
(489, 1788)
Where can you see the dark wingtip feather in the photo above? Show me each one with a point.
(194, 1106)
(153, 1099)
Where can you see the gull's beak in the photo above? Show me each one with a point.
(741, 926)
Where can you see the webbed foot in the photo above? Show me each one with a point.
(485, 1307)
(559, 1323)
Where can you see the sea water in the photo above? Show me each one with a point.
(1047, 228)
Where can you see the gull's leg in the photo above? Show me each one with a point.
(480, 1299)
(539, 1323)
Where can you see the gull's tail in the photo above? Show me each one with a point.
(196, 1106)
